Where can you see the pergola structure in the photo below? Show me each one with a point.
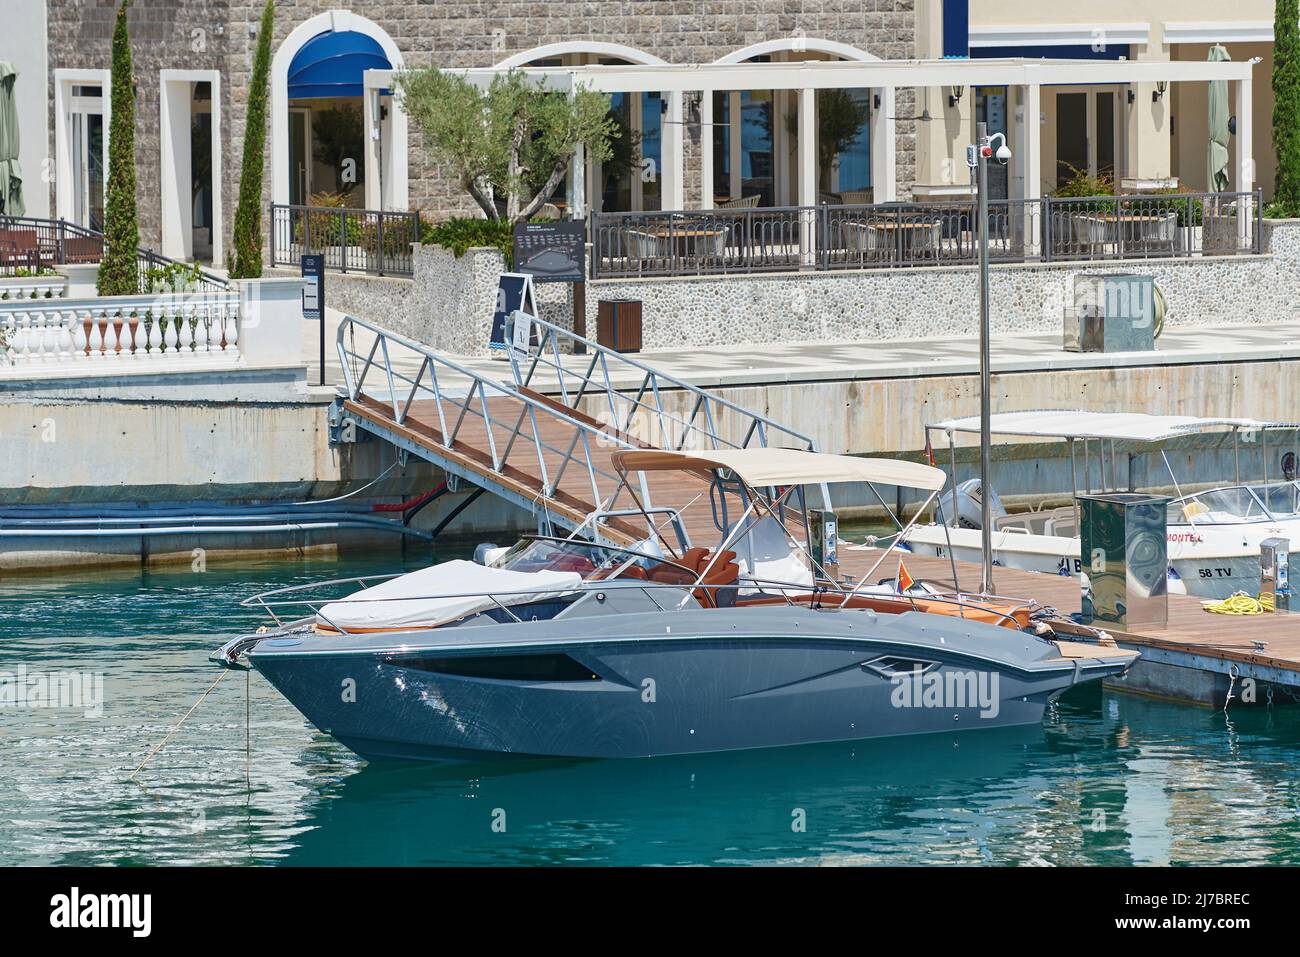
(1023, 78)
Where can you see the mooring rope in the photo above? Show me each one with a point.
(160, 745)
(1239, 603)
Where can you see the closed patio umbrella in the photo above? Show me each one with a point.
(11, 180)
(1217, 151)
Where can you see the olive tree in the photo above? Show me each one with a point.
(509, 145)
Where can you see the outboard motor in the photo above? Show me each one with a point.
(488, 552)
(969, 501)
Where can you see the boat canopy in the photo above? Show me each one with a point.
(1077, 424)
(441, 593)
(760, 467)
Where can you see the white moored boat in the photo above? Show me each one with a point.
(1214, 535)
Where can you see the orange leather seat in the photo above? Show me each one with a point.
(723, 571)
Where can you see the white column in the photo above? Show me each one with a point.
(735, 140)
(371, 143)
(806, 172)
(577, 190)
(175, 180)
(218, 184)
(1245, 159)
(578, 184)
(673, 161)
(706, 149)
(1031, 161)
(883, 147)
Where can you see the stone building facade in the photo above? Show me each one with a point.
(220, 35)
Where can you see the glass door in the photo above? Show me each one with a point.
(1071, 137)
(87, 127)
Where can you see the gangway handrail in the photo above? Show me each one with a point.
(650, 381)
(478, 384)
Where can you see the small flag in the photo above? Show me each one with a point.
(905, 581)
(929, 449)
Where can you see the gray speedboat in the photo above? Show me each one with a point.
(574, 648)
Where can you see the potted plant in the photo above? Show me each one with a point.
(1087, 221)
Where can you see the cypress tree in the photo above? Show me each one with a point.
(248, 214)
(1286, 106)
(118, 269)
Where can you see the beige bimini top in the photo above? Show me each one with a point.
(760, 467)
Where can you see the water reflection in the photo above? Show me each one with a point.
(1110, 779)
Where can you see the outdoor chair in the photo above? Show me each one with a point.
(19, 249)
(643, 245)
(745, 202)
(83, 249)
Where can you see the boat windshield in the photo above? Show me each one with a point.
(1282, 499)
(588, 559)
(1236, 504)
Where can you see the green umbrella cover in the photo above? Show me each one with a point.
(11, 179)
(1217, 151)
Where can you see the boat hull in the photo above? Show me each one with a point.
(660, 693)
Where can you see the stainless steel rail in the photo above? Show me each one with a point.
(514, 440)
(461, 394)
(643, 395)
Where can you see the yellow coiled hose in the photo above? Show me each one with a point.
(1239, 603)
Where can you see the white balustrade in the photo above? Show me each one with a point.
(176, 329)
(14, 290)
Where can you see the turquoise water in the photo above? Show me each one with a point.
(1110, 779)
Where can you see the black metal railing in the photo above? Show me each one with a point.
(899, 235)
(32, 246)
(351, 240)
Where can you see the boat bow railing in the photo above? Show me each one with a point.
(288, 608)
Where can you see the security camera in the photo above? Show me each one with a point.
(1003, 154)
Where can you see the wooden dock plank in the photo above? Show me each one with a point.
(1190, 628)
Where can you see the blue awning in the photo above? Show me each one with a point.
(331, 64)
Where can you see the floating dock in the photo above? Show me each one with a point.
(1196, 657)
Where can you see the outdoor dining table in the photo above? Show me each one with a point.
(691, 240)
(1095, 231)
(899, 240)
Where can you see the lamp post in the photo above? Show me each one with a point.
(977, 157)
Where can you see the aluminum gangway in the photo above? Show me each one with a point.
(542, 434)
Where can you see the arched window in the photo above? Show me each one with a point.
(324, 116)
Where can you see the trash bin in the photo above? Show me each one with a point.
(1124, 550)
(618, 324)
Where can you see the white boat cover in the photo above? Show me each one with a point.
(1076, 424)
(442, 593)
